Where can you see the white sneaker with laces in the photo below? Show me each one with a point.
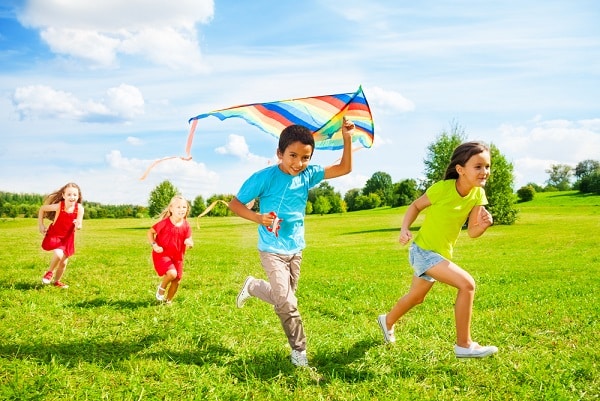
(388, 335)
(474, 351)
(299, 358)
(244, 293)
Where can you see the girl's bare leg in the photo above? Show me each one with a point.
(62, 265)
(57, 256)
(172, 290)
(416, 294)
(169, 276)
(451, 274)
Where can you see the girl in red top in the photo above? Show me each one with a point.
(65, 210)
(170, 238)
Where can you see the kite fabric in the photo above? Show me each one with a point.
(323, 115)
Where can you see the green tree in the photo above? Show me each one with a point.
(536, 187)
(587, 173)
(405, 192)
(198, 206)
(309, 208)
(321, 205)
(350, 199)
(364, 202)
(526, 193)
(439, 153)
(590, 183)
(160, 197)
(325, 190)
(381, 184)
(499, 189)
(560, 176)
(586, 167)
(219, 209)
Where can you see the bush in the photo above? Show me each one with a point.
(589, 183)
(526, 193)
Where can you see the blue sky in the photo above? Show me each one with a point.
(94, 91)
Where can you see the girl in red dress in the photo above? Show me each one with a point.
(65, 210)
(170, 238)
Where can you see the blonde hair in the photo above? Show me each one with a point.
(167, 213)
(57, 197)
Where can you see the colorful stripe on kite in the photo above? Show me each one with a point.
(323, 115)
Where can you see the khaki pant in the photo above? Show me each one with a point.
(283, 272)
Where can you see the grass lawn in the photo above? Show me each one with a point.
(107, 338)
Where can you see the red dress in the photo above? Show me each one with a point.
(171, 238)
(61, 232)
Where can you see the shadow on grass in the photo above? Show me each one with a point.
(99, 353)
(205, 352)
(324, 366)
(131, 305)
(265, 366)
(339, 365)
(22, 285)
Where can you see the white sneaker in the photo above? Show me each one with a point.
(475, 351)
(244, 294)
(388, 335)
(299, 358)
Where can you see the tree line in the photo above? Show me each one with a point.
(379, 190)
(27, 205)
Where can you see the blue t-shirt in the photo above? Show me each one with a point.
(286, 195)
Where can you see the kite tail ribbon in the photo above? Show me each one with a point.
(188, 152)
(210, 207)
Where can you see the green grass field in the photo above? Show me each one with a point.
(106, 337)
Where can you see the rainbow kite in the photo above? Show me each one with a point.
(323, 115)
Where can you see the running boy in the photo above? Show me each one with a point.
(283, 191)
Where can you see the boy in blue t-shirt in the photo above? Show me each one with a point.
(283, 191)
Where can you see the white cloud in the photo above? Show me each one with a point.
(535, 146)
(88, 45)
(188, 176)
(388, 101)
(122, 103)
(161, 30)
(126, 101)
(135, 141)
(236, 146)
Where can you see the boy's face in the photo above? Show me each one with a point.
(295, 158)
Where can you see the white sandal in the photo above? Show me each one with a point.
(160, 297)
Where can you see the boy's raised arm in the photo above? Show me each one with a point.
(345, 164)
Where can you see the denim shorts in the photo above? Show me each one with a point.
(422, 260)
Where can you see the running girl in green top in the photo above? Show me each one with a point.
(448, 204)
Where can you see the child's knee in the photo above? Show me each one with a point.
(468, 285)
(172, 274)
(417, 299)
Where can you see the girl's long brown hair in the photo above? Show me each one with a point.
(57, 196)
